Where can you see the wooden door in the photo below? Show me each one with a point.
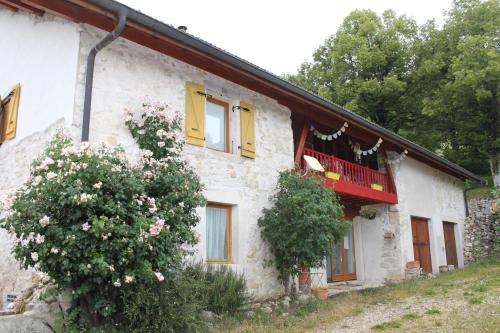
(341, 263)
(449, 243)
(421, 244)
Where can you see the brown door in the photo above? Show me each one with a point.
(449, 243)
(421, 246)
(341, 263)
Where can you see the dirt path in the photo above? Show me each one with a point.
(449, 307)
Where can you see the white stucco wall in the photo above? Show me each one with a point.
(431, 194)
(41, 54)
(126, 72)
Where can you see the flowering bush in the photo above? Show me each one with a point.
(97, 224)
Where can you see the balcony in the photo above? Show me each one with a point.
(355, 181)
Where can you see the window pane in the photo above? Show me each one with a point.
(215, 123)
(216, 233)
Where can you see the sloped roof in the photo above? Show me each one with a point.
(107, 10)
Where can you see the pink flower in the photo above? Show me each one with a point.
(154, 230)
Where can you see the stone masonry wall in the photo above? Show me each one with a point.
(479, 230)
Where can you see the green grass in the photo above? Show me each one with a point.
(386, 325)
(433, 312)
(480, 192)
(410, 316)
(470, 286)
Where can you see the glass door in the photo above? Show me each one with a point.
(341, 263)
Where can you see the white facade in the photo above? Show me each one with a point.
(52, 53)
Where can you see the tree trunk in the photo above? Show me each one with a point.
(495, 169)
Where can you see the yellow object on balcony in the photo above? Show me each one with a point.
(377, 187)
(332, 175)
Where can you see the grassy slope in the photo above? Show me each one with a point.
(474, 286)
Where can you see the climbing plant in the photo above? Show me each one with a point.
(304, 219)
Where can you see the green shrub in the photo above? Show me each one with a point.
(220, 289)
(226, 290)
(300, 226)
(173, 306)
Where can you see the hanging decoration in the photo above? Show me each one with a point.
(356, 148)
(329, 137)
(398, 159)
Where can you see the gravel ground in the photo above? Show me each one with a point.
(380, 313)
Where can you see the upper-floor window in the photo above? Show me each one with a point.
(207, 122)
(217, 125)
(9, 105)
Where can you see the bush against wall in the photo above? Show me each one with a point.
(98, 225)
(304, 219)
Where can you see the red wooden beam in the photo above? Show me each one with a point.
(17, 4)
(302, 141)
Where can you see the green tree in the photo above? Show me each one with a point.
(365, 67)
(461, 63)
(304, 219)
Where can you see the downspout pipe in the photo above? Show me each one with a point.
(89, 76)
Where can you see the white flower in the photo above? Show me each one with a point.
(161, 144)
(89, 266)
(129, 279)
(54, 250)
(34, 256)
(128, 117)
(51, 175)
(44, 221)
(85, 226)
(147, 153)
(117, 283)
(63, 253)
(84, 197)
(159, 276)
(44, 277)
(39, 239)
(111, 268)
(98, 185)
(37, 180)
(153, 209)
(60, 163)
(116, 168)
(181, 204)
(141, 132)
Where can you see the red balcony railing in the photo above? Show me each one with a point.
(355, 179)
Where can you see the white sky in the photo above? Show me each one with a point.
(277, 35)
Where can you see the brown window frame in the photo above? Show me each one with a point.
(226, 120)
(229, 234)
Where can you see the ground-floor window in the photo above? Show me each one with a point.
(218, 217)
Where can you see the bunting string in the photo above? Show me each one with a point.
(398, 159)
(357, 148)
(331, 136)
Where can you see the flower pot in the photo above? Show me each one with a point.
(332, 175)
(304, 278)
(321, 293)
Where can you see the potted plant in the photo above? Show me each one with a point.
(304, 279)
(368, 213)
(332, 175)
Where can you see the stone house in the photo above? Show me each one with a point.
(243, 125)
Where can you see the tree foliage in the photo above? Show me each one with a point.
(300, 226)
(436, 86)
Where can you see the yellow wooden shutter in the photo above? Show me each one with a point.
(195, 114)
(10, 112)
(247, 122)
